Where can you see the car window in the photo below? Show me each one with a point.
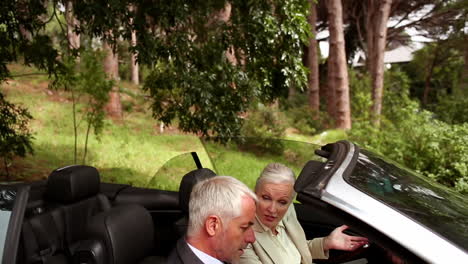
(7, 198)
(245, 158)
(4, 219)
(169, 176)
(429, 203)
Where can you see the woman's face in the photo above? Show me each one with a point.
(273, 202)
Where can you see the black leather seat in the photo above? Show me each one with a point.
(122, 235)
(42, 239)
(71, 198)
(186, 185)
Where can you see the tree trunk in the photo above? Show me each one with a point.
(312, 62)
(429, 73)
(330, 92)
(111, 67)
(376, 49)
(135, 69)
(337, 67)
(72, 36)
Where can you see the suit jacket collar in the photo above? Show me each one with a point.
(185, 253)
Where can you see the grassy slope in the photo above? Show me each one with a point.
(129, 151)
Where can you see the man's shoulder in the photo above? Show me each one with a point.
(183, 254)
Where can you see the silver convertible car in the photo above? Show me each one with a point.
(73, 217)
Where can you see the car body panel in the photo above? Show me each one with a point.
(412, 235)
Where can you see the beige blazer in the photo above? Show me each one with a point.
(265, 251)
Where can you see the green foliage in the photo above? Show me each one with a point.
(15, 136)
(301, 117)
(93, 84)
(261, 126)
(360, 93)
(193, 81)
(21, 36)
(413, 136)
(89, 88)
(437, 66)
(452, 109)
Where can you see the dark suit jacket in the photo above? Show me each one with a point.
(182, 254)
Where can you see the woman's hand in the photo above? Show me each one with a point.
(339, 240)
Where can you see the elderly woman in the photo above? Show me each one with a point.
(279, 237)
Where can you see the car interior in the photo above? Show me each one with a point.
(73, 217)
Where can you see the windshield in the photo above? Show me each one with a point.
(431, 204)
(7, 198)
(245, 158)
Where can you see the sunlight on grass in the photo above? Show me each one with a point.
(131, 151)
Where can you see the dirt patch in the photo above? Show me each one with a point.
(21, 170)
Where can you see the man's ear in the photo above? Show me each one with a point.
(212, 225)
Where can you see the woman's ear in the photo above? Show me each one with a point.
(212, 225)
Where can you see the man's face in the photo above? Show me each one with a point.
(238, 233)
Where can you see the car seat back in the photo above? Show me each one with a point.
(76, 190)
(42, 238)
(127, 235)
(185, 189)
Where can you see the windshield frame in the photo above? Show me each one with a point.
(15, 222)
(412, 213)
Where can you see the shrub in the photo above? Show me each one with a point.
(414, 138)
(15, 136)
(452, 109)
(261, 126)
(299, 115)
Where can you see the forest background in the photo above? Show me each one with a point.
(105, 82)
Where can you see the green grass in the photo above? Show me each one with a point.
(246, 162)
(129, 151)
(132, 150)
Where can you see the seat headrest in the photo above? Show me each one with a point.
(127, 231)
(72, 183)
(188, 181)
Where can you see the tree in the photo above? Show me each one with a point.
(89, 87)
(111, 68)
(185, 47)
(134, 62)
(191, 79)
(22, 37)
(15, 136)
(378, 13)
(338, 87)
(72, 36)
(432, 18)
(312, 62)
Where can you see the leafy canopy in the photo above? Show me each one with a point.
(186, 43)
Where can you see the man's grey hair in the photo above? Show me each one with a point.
(275, 173)
(221, 196)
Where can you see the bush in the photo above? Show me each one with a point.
(299, 115)
(15, 136)
(261, 126)
(414, 138)
(452, 109)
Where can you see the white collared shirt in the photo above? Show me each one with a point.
(205, 258)
(283, 243)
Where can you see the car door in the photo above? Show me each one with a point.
(13, 200)
(318, 219)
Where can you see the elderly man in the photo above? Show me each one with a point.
(221, 215)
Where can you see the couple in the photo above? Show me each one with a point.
(229, 223)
